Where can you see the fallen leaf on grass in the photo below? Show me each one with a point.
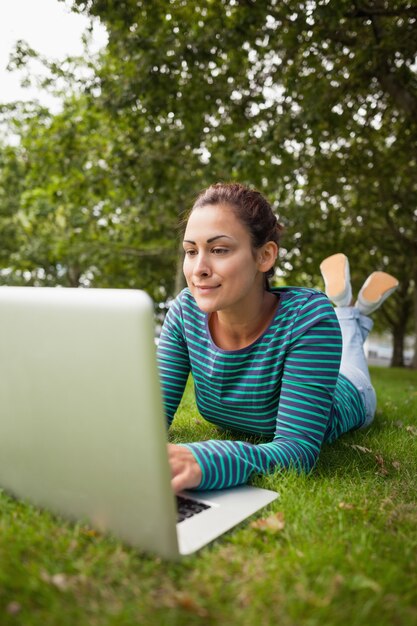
(60, 581)
(412, 430)
(382, 467)
(187, 602)
(360, 448)
(271, 524)
(346, 505)
(13, 608)
(396, 465)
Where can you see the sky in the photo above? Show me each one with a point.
(50, 28)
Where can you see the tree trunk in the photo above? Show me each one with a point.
(414, 361)
(398, 319)
(398, 336)
(74, 275)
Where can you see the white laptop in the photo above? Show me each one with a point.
(82, 430)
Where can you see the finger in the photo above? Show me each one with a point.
(188, 477)
(177, 466)
(181, 480)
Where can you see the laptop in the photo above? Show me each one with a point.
(82, 427)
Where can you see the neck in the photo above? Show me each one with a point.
(236, 330)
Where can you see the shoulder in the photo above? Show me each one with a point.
(296, 298)
(304, 308)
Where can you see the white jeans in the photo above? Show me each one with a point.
(355, 328)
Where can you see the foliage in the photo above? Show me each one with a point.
(337, 548)
(71, 224)
(313, 102)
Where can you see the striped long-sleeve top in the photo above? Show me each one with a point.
(285, 387)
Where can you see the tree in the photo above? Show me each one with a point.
(10, 185)
(314, 102)
(63, 217)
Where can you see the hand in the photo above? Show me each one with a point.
(185, 470)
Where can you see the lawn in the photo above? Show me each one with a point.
(339, 547)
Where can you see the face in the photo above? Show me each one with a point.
(222, 270)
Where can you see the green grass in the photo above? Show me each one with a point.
(347, 554)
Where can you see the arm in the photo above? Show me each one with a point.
(308, 383)
(174, 368)
(173, 360)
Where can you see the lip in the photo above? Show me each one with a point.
(206, 288)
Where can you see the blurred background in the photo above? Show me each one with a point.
(114, 114)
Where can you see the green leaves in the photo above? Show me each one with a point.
(313, 103)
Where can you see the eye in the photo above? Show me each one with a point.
(219, 251)
(190, 252)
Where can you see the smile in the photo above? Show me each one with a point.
(206, 288)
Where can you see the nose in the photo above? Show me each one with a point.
(202, 267)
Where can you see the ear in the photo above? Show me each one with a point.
(266, 256)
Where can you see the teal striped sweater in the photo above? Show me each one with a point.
(284, 388)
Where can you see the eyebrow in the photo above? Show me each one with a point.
(208, 240)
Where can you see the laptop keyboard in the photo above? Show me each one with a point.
(187, 508)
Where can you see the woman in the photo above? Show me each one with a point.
(265, 361)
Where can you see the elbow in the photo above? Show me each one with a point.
(303, 460)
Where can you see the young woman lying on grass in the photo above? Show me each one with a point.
(280, 363)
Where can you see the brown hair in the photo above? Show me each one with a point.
(250, 207)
